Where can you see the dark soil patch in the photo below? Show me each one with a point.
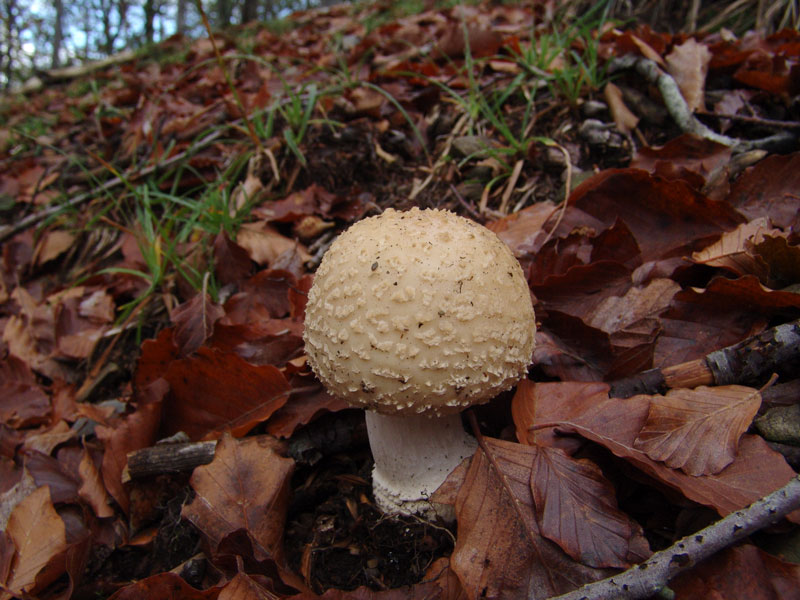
(337, 538)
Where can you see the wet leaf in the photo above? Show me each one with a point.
(698, 430)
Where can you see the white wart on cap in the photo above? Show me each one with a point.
(419, 312)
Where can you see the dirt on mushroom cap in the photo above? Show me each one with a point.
(419, 312)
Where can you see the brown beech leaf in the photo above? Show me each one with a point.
(698, 430)
(688, 157)
(22, 401)
(740, 572)
(576, 508)
(500, 552)
(194, 322)
(213, 391)
(164, 585)
(688, 65)
(614, 423)
(40, 538)
(769, 189)
(782, 258)
(246, 487)
(231, 261)
(420, 591)
(92, 489)
(665, 216)
(625, 120)
(745, 293)
(244, 587)
(138, 430)
(264, 243)
(734, 250)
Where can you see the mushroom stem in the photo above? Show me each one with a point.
(413, 456)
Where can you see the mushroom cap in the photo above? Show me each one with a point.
(419, 312)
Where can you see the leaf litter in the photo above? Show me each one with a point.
(671, 246)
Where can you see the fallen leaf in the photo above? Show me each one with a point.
(698, 430)
(614, 424)
(769, 189)
(23, 403)
(92, 489)
(264, 243)
(194, 322)
(213, 391)
(665, 216)
(740, 572)
(40, 539)
(576, 507)
(733, 251)
(499, 552)
(136, 431)
(164, 585)
(246, 486)
(231, 261)
(688, 65)
(625, 120)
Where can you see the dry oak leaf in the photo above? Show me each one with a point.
(40, 538)
(245, 487)
(500, 552)
(698, 430)
(576, 508)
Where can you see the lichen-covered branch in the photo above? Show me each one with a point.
(647, 578)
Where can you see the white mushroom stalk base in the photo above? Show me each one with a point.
(413, 456)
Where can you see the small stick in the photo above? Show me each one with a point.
(749, 360)
(651, 576)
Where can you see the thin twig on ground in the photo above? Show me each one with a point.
(648, 578)
(682, 115)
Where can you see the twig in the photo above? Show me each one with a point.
(774, 350)
(683, 117)
(649, 577)
(753, 120)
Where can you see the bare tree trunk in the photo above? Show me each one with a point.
(224, 12)
(249, 10)
(180, 17)
(11, 40)
(149, 17)
(58, 34)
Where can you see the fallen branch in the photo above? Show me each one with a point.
(650, 577)
(774, 350)
(683, 116)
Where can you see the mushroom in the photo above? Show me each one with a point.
(415, 316)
